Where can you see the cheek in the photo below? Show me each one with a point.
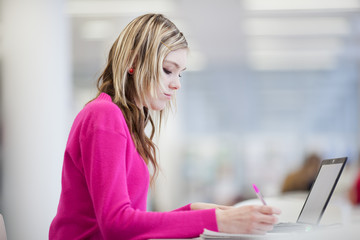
(163, 85)
(164, 79)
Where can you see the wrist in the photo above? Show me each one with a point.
(219, 216)
(195, 206)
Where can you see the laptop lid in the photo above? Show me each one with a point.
(321, 190)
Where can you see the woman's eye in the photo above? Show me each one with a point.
(166, 71)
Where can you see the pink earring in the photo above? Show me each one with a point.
(131, 71)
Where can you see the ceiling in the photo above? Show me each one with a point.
(261, 35)
(288, 61)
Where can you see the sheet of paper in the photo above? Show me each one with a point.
(207, 234)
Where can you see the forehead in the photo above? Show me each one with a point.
(177, 57)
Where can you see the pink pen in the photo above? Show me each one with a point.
(258, 193)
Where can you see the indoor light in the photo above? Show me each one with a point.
(111, 8)
(296, 26)
(254, 5)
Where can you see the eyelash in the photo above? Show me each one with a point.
(166, 71)
(169, 72)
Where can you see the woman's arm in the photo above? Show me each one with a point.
(201, 205)
(183, 208)
(105, 171)
(245, 219)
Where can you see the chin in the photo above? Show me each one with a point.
(158, 107)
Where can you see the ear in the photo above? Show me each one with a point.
(132, 67)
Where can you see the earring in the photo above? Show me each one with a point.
(131, 71)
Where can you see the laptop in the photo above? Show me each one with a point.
(318, 197)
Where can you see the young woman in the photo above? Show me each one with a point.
(105, 175)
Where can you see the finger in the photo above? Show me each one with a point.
(264, 227)
(268, 219)
(269, 210)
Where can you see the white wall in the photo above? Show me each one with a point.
(35, 101)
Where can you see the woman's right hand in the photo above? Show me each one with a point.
(252, 219)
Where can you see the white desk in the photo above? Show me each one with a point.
(339, 211)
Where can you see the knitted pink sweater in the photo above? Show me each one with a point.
(105, 183)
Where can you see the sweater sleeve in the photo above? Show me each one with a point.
(105, 173)
(183, 208)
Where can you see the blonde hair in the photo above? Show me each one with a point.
(143, 46)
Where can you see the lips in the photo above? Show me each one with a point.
(167, 95)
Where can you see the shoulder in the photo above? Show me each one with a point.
(102, 114)
(102, 106)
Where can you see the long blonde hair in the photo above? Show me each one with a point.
(143, 46)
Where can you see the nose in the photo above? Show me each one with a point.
(175, 84)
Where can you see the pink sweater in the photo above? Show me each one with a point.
(105, 184)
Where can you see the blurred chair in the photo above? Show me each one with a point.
(354, 191)
(302, 178)
(2, 229)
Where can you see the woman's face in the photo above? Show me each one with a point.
(174, 63)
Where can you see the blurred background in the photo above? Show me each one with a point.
(269, 82)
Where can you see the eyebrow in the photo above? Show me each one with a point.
(174, 63)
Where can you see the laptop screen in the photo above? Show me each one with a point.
(321, 191)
